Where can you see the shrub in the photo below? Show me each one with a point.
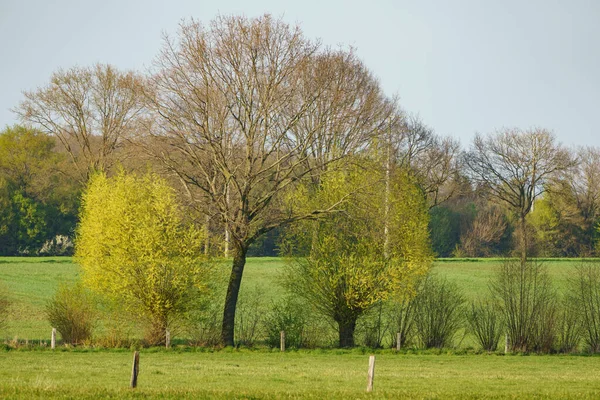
(585, 289)
(486, 323)
(72, 312)
(402, 319)
(523, 290)
(249, 315)
(569, 326)
(438, 312)
(289, 315)
(374, 325)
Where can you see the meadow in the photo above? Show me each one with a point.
(188, 372)
(32, 281)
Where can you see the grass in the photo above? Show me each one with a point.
(302, 374)
(32, 281)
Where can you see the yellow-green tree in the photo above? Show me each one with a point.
(370, 251)
(134, 248)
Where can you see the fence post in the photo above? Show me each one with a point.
(282, 340)
(398, 340)
(135, 369)
(53, 339)
(506, 343)
(167, 339)
(371, 374)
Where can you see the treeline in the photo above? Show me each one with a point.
(40, 194)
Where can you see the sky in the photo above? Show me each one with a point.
(463, 66)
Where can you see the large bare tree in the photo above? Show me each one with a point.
(515, 166)
(246, 110)
(89, 110)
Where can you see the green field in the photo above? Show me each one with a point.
(32, 281)
(203, 373)
(319, 374)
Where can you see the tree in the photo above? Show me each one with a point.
(515, 166)
(132, 247)
(347, 269)
(572, 207)
(37, 200)
(89, 110)
(246, 110)
(432, 158)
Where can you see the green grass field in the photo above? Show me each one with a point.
(32, 281)
(319, 375)
(202, 373)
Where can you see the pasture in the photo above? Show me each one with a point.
(332, 374)
(32, 281)
(188, 372)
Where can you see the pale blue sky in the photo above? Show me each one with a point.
(464, 66)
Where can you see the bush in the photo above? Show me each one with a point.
(438, 312)
(72, 312)
(486, 323)
(374, 325)
(526, 298)
(569, 326)
(249, 315)
(402, 319)
(585, 289)
(5, 304)
(288, 315)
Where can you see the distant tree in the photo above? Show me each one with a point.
(347, 269)
(89, 110)
(434, 160)
(246, 110)
(515, 167)
(567, 217)
(485, 233)
(38, 201)
(133, 248)
(444, 225)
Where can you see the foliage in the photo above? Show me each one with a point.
(349, 268)
(486, 323)
(444, 225)
(289, 315)
(72, 312)
(37, 200)
(438, 313)
(132, 246)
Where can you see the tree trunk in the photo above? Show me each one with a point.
(233, 289)
(524, 242)
(346, 331)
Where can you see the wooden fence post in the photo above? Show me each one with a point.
(282, 340)
(371, 374)
(398, 341)
(167, 339)
(135, 369)
(53, 339)
(506, 343)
